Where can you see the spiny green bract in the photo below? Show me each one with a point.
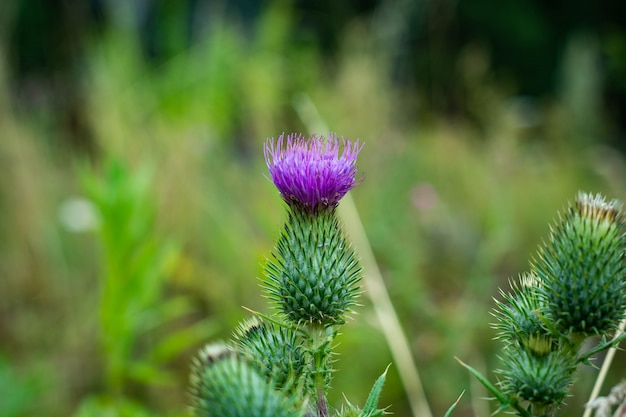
(275, 351)
(313, 274)
(225, 385)
(582, 268)
(542, 380)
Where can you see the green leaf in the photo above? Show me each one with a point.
(147, 373)
(181, 340)
(505, 402)
(371, 403)
(453, 406)
(102, 406)
(490, 387)
(602, 345)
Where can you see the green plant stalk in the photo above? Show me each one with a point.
(318, 338)
(112, 335)
(322, 405)
(605, 367)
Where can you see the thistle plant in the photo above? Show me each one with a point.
(573, 292)
(282, 364)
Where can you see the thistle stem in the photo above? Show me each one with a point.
(319, 339)
(604, 370)
(322, 406)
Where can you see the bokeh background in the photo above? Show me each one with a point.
(135, 211)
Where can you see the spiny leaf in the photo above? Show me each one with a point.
(603, 345)
(503, 399)
(453, 406)
(371, 403)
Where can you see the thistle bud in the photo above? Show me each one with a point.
(313, 274)
(274, 351)
(519, 325)
(225, 385)
(582, 270)
(542, 380)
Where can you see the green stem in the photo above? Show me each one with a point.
(322, 406)
(319, 339)
(619, 335)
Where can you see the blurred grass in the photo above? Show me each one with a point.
(453, 207)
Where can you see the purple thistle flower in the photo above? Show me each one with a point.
(311, 173)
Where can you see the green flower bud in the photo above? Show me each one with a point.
(275, 351)
(313, 274)
(542, 380)
(224, 385)
(582, 270)
(518, 323)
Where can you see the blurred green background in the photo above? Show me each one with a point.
(135, 209)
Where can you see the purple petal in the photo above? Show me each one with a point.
(312, 172)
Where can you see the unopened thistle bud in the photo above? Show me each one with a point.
(275, 351)
(225, 385)
(542, 380)
(582, 269)
(313, 274)
(519, 325)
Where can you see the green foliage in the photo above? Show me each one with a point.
(136, 263)
(370, 409)
(505, 402)
(18, 391)
(134, 266)
(107, 407)
(453, 406)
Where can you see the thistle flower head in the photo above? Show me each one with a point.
(312, 173)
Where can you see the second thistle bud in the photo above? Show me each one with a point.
(225, 385)
(582, 268)
(275, 351)
(541, 380)
(519, 325)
